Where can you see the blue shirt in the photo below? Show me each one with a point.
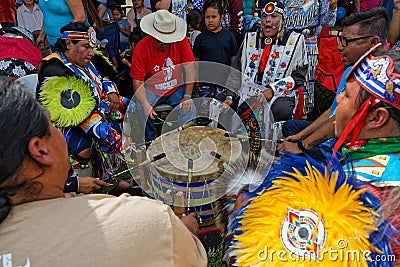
(123, 24)
(56, 15)
(341, 87)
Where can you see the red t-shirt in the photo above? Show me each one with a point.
(147, 61)
(7, 11)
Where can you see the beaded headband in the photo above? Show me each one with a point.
(376, 76)
(90, 36)
(272, 7)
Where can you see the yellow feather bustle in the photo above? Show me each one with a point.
(346, 223)
(51, 95)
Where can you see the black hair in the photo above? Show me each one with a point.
(194, 18)
(214, 4)
(223, 3)
(22, 118)
(73, 26)
(134, 37)
(364, 95)
(118, 8)
(371, 22)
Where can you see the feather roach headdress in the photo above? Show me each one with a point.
(304, 213)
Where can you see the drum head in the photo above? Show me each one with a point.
(195, 143)
(167, 179)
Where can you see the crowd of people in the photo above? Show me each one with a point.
(65, 92)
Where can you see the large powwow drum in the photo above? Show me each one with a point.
(194, 159)
(218, 158)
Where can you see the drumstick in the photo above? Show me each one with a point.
(138, 145)
(190, 175)
(151, 159)
(219, 156)
(239, 136)
(166, 122)
(181, 128)
(190, 170)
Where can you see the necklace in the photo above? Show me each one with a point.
(268, 40)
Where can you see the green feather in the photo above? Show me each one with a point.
(106, 59)
(50, 98)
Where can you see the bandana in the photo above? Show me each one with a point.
(368, 148)
(90, 36)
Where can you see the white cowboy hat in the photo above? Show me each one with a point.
(164, 26)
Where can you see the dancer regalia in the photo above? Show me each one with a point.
(77, 101)
(309, 214)
(276, 62)
(302, 214)
(308, 17)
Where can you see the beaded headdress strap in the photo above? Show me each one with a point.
(376, 76)
(90, 36)
(272, 7)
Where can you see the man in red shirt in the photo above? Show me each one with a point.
(158, 64)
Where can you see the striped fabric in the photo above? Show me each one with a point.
(201, 196)
(376, 75)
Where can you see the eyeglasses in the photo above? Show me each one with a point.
(345, 42)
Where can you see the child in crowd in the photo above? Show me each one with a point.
(125, 80)
(103, 47)
(30, 17)
(215, 44)
(232, 19)
(194, 20)
(124, 28)
(126, 55)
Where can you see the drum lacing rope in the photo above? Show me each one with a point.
(173, 192)
(209, 197)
